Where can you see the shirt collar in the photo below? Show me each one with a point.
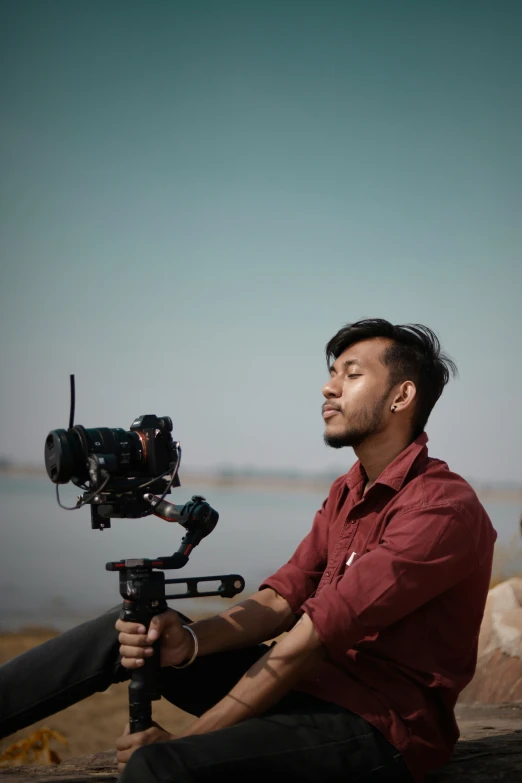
(394, 474)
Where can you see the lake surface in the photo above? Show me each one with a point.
(52, 565)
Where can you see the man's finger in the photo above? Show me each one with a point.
(122, 756)
(135, 652)
(124, 743)
(157, 624)
(132, 663)
(135, 640)
(133, 628)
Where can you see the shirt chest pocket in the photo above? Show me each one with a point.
(359, 534)
(367, 535)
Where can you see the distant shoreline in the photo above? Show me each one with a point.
(282, 482)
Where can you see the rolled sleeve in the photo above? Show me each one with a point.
(423, 553)
(297, 580)
(291, 583)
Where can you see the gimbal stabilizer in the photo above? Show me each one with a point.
(142, 587)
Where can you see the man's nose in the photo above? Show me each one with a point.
(332, 389)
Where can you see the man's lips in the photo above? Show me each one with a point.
(329, 412)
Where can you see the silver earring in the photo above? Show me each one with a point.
(393, 408)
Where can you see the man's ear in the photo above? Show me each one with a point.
(405, 397)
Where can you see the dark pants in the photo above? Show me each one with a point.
(302, 738)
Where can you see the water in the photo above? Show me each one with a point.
(52, 565)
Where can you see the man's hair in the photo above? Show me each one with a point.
(414, 355)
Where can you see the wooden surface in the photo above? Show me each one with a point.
(489, 751)
(490, 747)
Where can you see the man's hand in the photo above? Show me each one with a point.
(128, 743)
(177, 644)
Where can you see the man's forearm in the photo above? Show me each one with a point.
(260, 617)
(267, 681)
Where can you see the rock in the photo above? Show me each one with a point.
(502, 625)
(489, 751)
(498, 677)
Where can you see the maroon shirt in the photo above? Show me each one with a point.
(395, 583)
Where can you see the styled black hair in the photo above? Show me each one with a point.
(414, 355)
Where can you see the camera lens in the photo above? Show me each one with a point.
(66, 452)
(64, 457)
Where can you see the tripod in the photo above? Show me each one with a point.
(142, 588)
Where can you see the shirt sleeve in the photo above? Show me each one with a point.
(424, 552)
(298, 579)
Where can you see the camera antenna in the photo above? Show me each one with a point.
(71, 424)
(73, 402)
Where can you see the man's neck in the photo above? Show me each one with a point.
(376, 453)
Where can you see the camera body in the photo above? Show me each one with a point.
(114, 466)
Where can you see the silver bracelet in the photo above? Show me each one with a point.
(194, 654)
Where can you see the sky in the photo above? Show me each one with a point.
(195, 196)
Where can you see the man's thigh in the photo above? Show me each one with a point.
(320, 743)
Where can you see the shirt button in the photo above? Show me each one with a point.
(354, 521)
(327, 573)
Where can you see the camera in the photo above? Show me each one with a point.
(115, 466)
(119, 471)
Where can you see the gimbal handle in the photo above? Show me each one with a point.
(143, 592)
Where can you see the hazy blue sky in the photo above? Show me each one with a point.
(196, 195)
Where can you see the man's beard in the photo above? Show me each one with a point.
(369, 423)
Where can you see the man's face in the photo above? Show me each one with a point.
(357, 394)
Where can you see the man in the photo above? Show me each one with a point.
(381, 604)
